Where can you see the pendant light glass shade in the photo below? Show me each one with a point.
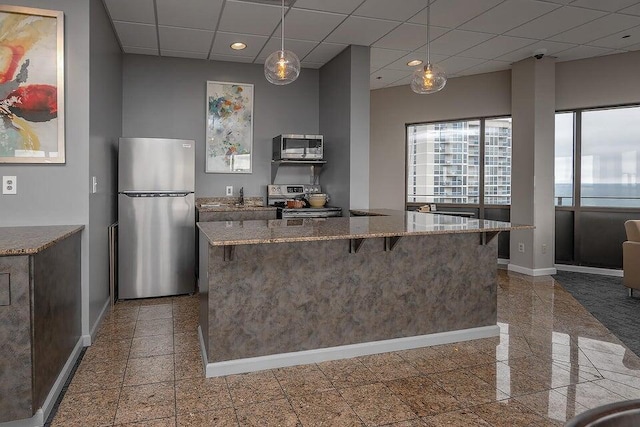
(282, 66)
(430, 78)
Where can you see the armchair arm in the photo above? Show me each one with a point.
(631, 264)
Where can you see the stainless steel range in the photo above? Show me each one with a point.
(280, 194)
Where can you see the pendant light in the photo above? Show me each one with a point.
(282, 66)
(430, 78)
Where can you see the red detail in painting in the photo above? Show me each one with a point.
(36, 103)
(17, 52)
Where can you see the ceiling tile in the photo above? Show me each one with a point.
(456, 64)
(401, 64)
(615, 41)
(222, 43)
(140, 50)
(632, 10)
(486, 67)
(325, 52)
(496, 46)
(249, 18)
(384, 77)
(339, 6)
(527, 52)
(634, 47)
(601, 27)
(299, 47)
(184, 39)
(140, 11)
(452, 13)
(385, 9)
(555, 22)
(402, 82)
(607, 5)
(381, 57)
(508, 15)
(408, 37)
(456, 41)
(137, 35)
(228, 58)
(303, 24)
(581, 52)
(200, 14)
(360, 31)
(181, 54)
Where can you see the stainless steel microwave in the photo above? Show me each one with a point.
(298, 147)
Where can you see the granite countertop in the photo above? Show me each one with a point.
(393, 223)
(30, 240)
(230, 204)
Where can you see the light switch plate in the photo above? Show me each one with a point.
(229, 190)
(94, 185)
(9, 185)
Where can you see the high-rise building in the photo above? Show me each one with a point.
(444, 162)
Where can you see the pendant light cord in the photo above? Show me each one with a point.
(282, 41)
(428, 38)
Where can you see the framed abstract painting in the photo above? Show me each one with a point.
(229, 135)
(31, 85)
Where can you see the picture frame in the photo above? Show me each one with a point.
(229, 127)
(32, 125)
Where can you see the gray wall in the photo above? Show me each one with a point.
(360, 117)
(344, 122)
(105, 128)
(165, 97)
(392, 108)
(57, 194)
(596, 82)
(335, 119)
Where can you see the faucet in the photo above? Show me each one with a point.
(241, 201)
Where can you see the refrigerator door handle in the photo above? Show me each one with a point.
(156, 194)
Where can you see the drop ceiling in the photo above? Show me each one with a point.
(468, 36)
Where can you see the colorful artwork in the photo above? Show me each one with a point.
(31, 85)
(229, 138)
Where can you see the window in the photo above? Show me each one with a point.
(564, 159)
(444, 162)
(609, 162)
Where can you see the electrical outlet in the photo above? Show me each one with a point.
(521, 247)
(9, 185)
(544, 248)
(229, 190)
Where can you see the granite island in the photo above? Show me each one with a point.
(295, 291)
(40, 324)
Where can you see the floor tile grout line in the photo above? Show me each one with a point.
(287, 397)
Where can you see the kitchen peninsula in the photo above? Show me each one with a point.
(294, 291)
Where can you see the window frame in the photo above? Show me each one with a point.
(481, 205)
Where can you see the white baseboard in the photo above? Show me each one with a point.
(590, 270)
(203, 349)
(90, 338)
(282, 360)
(42, 414)
(531, 272)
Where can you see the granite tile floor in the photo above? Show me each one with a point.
(552, 361)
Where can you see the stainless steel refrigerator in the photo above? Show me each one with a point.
(156, 217)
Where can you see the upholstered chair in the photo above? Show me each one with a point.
(631, 256)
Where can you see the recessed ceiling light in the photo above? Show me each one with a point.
(414, 63)
(238, 46)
